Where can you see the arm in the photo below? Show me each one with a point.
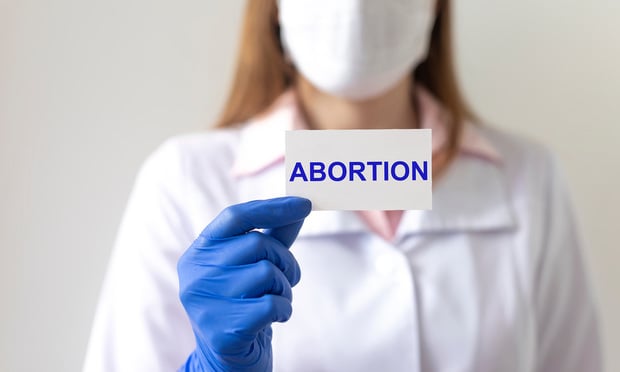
(140, 324)
(567, 325)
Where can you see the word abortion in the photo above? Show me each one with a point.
(369, 171)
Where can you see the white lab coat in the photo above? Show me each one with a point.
(490, 280)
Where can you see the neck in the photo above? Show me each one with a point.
(391, 110)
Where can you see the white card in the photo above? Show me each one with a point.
(370, 169)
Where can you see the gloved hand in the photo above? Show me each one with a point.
(234, 281)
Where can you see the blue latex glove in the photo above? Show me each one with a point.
(235, 281)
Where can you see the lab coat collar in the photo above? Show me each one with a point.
(470, 195)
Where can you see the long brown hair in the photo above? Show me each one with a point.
(262, 73)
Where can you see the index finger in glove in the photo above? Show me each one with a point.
(243, 250)
(259, 214)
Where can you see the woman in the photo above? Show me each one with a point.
(490, 280)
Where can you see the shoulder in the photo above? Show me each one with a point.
(197, 148)
(188, 155)
(534, 180)
(531, 173)
(191, 173)
(194, 162)
(523, 159)
(515, 148)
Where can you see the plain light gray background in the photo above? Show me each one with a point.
(88, 88)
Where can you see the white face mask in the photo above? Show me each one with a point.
(356, 49)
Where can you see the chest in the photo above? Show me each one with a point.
(449, 302)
